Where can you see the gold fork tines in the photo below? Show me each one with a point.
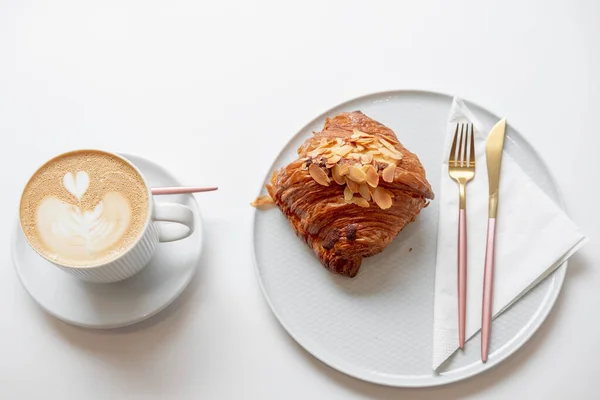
(461, 168)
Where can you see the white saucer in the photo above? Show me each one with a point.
(102, 305)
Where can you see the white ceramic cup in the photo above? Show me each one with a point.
(134, 259)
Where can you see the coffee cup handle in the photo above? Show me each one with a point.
(173, 212)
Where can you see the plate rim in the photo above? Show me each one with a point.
(539, 317)
(198, 223)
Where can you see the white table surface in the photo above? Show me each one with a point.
(212, 90)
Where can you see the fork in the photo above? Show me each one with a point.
(461, 168)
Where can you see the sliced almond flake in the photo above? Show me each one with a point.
(382, 198)
(334, 159)
(364, 168)
(316, 152)
(360, 148)
(365, 140)
(366, 158)
(337, 177)
(396, 155)
(263, 201)
(318, 175)
(364, 191)
(380, 159)
(361, 134)
(344, 150)
(372, 176)
(353, 186)
(348, 195)
(303, 151)
(338, 140)
(357, 175)
(323, 142)
(344, 169)
(388, 172)
(359, 201)
(354, 156)
(389, 146)
(385, 151)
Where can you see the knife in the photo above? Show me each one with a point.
(493, 154)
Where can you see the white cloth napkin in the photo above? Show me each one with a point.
(533, 238)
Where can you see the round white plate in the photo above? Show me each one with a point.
(112, 305)
(378, 326)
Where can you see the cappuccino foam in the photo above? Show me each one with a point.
(84, 208)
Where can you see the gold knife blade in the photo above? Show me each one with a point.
(493, 153)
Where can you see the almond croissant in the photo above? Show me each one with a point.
(353, 188)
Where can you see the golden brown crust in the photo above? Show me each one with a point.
(342, 233)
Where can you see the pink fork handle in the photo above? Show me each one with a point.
(488, 291)
(462, 275)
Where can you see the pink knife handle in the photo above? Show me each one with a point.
(488, 290)
(462, 276)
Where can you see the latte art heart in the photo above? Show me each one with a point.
(76, 185)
